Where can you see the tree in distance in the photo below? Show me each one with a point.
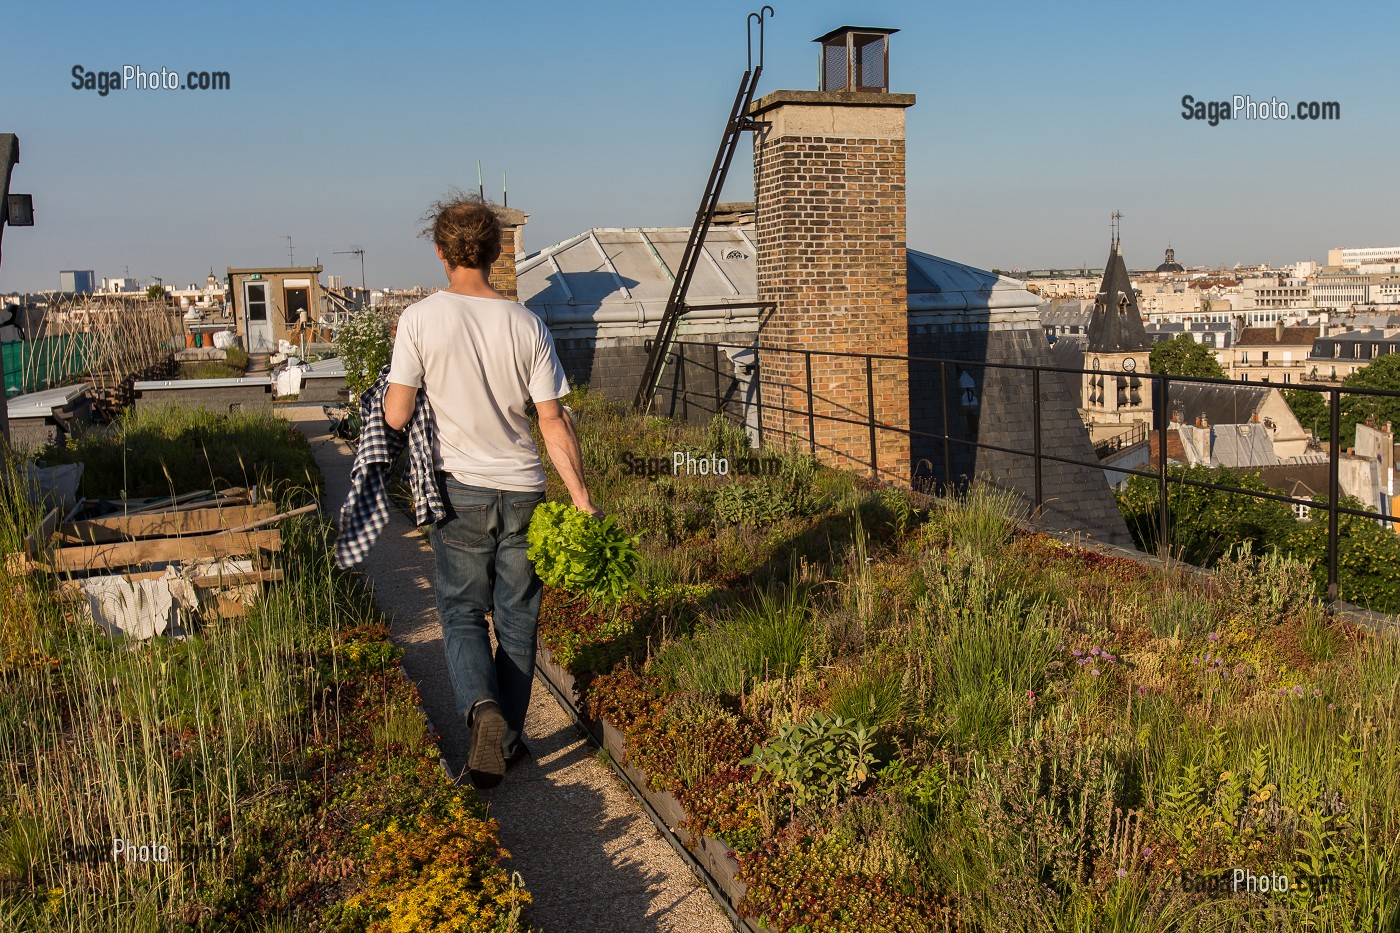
(1313, 412)
(1183, 356)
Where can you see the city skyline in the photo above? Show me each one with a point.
(339, 130)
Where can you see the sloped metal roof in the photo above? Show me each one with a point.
(938, 284)
(1241, 445)
(635, 266)
(1220, 403)
(618, 268)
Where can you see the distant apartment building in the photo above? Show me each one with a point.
(1338, 355)
(1170, 299)
(1217, 335)
(118, 286)
(1275, 291)
(77, 281)
(1277, 354)
(1355, 257)
(1339, 290)
(1063, 283)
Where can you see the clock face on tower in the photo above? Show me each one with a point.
(1129, 365)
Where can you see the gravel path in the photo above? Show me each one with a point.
(588, 854)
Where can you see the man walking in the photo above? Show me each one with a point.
(479, 358)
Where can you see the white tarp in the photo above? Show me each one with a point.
(146, 608)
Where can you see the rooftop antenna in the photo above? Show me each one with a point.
(291, 250)
(1115, 220)
(356, 251)
(480, 191)
(505, 191)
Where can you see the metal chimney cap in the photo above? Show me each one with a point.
(876, 30)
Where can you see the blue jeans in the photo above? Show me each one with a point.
(480, 566)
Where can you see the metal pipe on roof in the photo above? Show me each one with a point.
(607, 261)
(655, 254)
(561, 278)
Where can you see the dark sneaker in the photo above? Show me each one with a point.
(486, 761)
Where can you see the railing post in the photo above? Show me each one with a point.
(719, 396)
(870, 408)
(947, 435)
(811, 404)
(1333, 492)
(683, 384)
(1035, 434)
(758, 394)
(1163, 545)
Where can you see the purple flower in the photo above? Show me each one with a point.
(1214, 636)
(1331, 705)
(1094, 671)
(1031, 694)
(1298, 690)
(1094, 651)
(1077, 653)
(1141, 690)
(1107, 657)
(1122, 873)
(1317, 693)
(1146, 851)
(1061, 647)
(1241, 669)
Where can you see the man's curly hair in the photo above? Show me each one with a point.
(466, 229)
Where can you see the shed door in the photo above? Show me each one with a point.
(255, 311)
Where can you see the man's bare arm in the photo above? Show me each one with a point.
(562, 445)
(399, 402)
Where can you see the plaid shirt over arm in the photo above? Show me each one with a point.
(366, 509)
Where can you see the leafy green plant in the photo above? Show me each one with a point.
(818, 761)
(787, 494)
(365, 343)
(586, 556)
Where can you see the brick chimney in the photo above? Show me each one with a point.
(503, 269)
(830, 218)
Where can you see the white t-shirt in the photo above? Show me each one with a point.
(479, 360)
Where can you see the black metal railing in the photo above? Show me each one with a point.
(1108, 446)
(741, 389)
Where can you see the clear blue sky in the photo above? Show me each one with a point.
(1034, 121)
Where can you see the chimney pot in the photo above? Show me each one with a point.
(856, 58)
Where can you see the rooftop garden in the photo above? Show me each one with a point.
(901, 713)
(272, 772)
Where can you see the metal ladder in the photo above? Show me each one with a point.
(676, 307)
